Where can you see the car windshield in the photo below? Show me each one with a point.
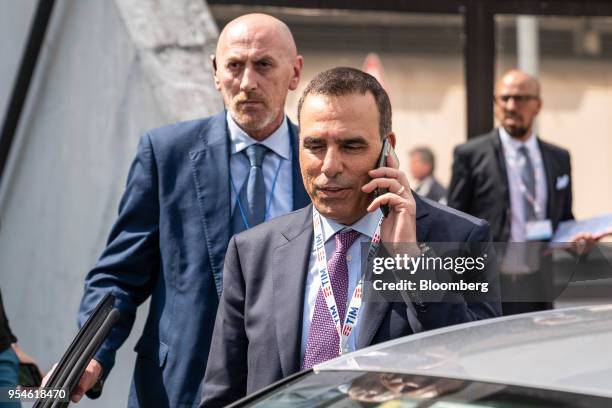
(391, 390)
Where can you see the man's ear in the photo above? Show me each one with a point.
(391, 137)
(213, 61)
(539, 105)
(297, 71)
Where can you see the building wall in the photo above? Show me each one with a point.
(577, 114)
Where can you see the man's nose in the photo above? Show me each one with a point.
(332, 163)
(511, 105)
(248, 81)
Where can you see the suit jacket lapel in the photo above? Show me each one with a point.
(211, 176)
(547, 159)
(300, 197)
(500, 158)
(290, 268)
(371, 317)
(373, 313)
(501, 167)
(422, 227)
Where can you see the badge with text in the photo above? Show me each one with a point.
(538, 230)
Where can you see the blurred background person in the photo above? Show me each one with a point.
(519, 183)
(509, 176)
(422, 164)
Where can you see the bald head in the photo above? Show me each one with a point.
(516, 77)
(256, 27)
(517, 103)
(256, 65)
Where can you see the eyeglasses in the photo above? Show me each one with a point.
(518, 99)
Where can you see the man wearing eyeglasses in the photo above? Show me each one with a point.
(516, 181)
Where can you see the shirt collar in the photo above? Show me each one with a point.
(426, 182)
(512, 145)
(366, 225)
(278, 141)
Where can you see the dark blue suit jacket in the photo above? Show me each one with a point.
(169, 243)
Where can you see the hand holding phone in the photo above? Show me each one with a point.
(386, 150)
(392, 190)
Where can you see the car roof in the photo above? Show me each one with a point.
(565, 349)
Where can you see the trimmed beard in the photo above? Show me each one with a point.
(517, 132)
(250, 125)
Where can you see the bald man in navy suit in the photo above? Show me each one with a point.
(191, 186)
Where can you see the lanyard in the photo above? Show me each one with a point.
(239, 204)
(523, 188)
(352, 312)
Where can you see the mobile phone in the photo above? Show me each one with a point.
(386, 150)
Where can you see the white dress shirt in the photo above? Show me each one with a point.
(513, 172)
(280, 154)
(366, 226)
(425, 186)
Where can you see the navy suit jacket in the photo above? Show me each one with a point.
(259, 325)
(169, 244)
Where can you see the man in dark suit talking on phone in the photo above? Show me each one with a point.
(274, 319)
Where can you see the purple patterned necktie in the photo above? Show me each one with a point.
(323, 342)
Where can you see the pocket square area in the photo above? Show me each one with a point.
(562, 182)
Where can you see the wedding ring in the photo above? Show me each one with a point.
(400, 191)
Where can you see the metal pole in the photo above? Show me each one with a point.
(21, 85)
(528, 46)
(479, 52)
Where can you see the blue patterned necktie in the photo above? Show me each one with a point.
(252, 195)
(528, 179)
